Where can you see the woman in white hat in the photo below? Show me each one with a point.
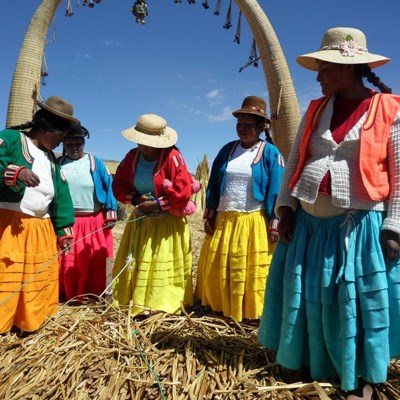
(240, 222)
(36, 213)
(332, 301)
(83, 268)
(153, 266)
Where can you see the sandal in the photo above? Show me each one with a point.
(363, 392)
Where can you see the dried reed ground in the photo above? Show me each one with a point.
(92, 351)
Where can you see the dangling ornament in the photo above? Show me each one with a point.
(205, 4)
(68, 11)
(253, 59)
(192, 1)
(237, 34)
(177, 1)
(97, 1)
(228, 18)
(43, 71)
(139, 10)
(218, 7)
(88, 3)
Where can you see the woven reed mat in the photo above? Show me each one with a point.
(92, 351)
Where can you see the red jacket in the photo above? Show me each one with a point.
(374, 139)
(171, 165)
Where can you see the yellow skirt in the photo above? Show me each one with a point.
(28, 271)
(234, 263)
(153, 266)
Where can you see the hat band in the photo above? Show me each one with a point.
(260, 110)
(154, 133)
(348, 48)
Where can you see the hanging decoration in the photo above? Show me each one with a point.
(177, 1)
(192, 1)
(205, 4)
(43, 70)
(68, 11)
(218, 7)
(228, 18)
(139, 10)
(237, 34)
(89, 3)
(254, 57)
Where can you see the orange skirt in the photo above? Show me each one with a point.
(28, 271)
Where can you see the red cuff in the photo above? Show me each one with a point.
(273, 225)
(11, 174)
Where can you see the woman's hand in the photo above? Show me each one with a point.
(390, 243)
(28, 178)
(273, 236)
(209, 225)
(65, 244)
(147, 206)
(286, 224)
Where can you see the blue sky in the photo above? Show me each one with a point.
(182, 64)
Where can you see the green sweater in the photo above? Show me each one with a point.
(14, 155)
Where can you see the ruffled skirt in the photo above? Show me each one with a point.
(28, 271)
(153, 265)
(234, 263)
(332, 303)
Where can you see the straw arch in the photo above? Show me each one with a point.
(283, 101)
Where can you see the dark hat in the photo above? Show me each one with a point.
(58, 106)
(253, 105)
(77, 131)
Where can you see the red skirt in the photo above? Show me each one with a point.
(83, 269)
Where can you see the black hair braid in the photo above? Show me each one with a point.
(365, 71)
(23, 127)
(268, 137)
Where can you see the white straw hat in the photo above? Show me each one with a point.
(342, 46)
(151, 130)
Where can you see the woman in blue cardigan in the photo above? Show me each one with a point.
(240, 224)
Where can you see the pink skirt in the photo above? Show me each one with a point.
(83, 269)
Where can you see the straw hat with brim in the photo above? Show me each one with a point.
(253, 105)
(58, 106)
(151, 130)
(342, 46)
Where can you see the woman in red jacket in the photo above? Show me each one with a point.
(153, 266)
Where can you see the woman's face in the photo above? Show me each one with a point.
(49, 140)
(74, 147)
(248, 130)
(149, 153)
(334, 78)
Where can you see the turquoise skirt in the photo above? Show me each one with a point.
(332, 303)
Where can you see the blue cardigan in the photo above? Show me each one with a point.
(267, 171)
(102, 185)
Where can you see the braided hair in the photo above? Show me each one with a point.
(364, 70)
(261, 120)
(45, 120)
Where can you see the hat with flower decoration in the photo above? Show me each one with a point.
(151, 130)
(342, 46)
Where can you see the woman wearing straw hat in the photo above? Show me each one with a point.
(240, 222)
(153, 266)
(35, 212)
(83, 268)
(332, 300)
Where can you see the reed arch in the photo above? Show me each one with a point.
(284, 107)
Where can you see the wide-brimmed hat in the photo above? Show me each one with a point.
(342, 46)
(58, 106)
(253, 105)
(151, 130)
(76, 130)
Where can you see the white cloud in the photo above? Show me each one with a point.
(225, 115)
(111, 43)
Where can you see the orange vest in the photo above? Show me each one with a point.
(373, 142)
